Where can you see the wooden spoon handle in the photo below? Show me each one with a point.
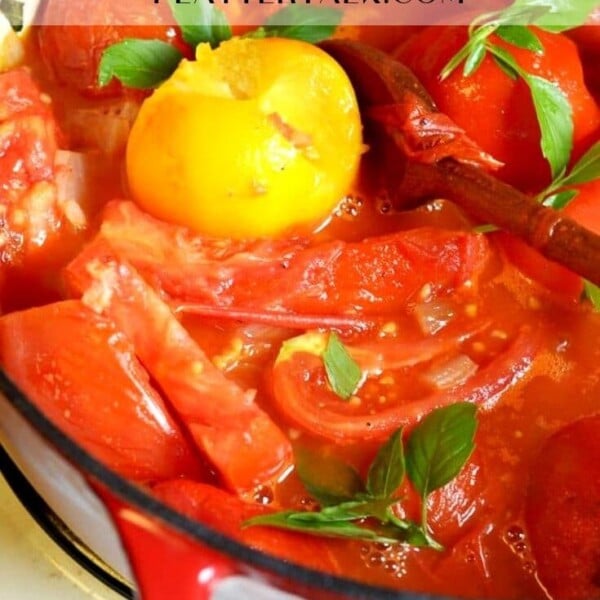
(379, 80)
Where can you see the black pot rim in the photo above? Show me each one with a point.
(138, 498)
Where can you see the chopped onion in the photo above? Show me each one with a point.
(433, 316)
(105, 128)
(451, 373)
(71, 185)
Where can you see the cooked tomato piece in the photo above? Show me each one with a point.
(374, 277)
(73, 37)
(496, 111)
(226, 513)
(301, 392)
(30, 210)
(240, 439)
(81, 371)
(563, 512)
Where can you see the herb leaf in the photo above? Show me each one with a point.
(447, 430)
(587, 168)
(561, 199)
(474, 60)
(343, 373)
(592, 292)
(311, 523)
(439, 447)
(201, 22)
(303, 22)
(387, 469)
(326, 478)
(555, 117)
(138, 63)
(522, 37)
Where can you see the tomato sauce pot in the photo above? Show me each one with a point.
(142, 539)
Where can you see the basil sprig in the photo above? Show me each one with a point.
(436, 451)
(147, 63)
(300, 22)
(553, 110)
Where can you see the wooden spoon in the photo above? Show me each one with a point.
(379, 81)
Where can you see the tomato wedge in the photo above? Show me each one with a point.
(226, 513)
(239, 438)
(374, 277)
(302, 394)
(81, 371)
(563, 512)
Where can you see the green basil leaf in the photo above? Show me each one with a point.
(326, 478)
(388, 468)
(343, 373)
(303, 22)
(520, 36)
(485, 228)
(551, 15)
(439, 446)
(316, 526)
(507, 70)
(592, 292)
(555, 117)
(474, 59)
(346, 511)
(201, 22)
(561, 199)
(138, 63)
(586, 169)
(564, 14)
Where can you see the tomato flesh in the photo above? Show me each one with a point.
(53, 353)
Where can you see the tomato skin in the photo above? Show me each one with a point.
(585, 210)
(563, 511)
(226, 513)
(72, 51)
(497, 112)
(83, 374)
(550, 274)
(585, 207)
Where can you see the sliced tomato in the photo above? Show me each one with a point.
(73, 37)
(226, 513)
(563, 512)
(301, 392)
(375, 277)
(239, 438)
(81, 371)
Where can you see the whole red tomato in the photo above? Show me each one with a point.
(73, 49)
(497, 111)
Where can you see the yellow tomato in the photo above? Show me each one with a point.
(252, 139)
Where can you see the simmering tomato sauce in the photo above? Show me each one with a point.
(192, 361)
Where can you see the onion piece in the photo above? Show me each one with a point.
(451, 373)
(433, 316)
(71, 185)
(105, 127)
